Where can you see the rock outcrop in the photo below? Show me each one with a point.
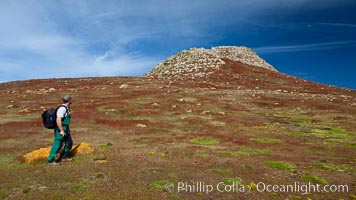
(200, 62)
(241, 54)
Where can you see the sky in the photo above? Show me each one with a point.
(310, 39)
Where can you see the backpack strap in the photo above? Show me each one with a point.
(67, 111)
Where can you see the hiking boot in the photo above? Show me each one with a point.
(66, 159)
(54, 164)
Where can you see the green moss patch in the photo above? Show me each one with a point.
(173, 196)
(337, 131)
(310, 143)
(79, 186)
(333, 135)
(100, 175)
(249, 152)
(350, 145)
(204, 141)
(231, 181)
(266, 140)
(241, 112)
(336, 168)
(299, 134)
(248, 166)
(314, 179)
(105, 145)
(330, 133)
(161, 185)
(280, 165)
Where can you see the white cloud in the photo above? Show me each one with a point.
(61, 40)
(101, 58)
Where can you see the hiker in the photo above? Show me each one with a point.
(62, 132)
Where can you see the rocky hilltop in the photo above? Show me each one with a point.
(200, 62)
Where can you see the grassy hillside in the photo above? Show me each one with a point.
(151, 136)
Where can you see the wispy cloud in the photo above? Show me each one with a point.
(305, 47)
(339, 24)
(40, 40)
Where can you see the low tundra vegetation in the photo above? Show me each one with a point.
(204, 141)
(280, 165)
(314, 179)
(145, 138)
(250, 152)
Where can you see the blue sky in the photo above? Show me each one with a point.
(311, 39)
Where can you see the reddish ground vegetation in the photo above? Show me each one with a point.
(311, 125)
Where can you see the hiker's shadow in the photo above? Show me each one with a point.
(71, 153)
(74, 150)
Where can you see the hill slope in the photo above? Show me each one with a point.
(239, 123)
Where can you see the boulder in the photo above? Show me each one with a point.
(124, 86)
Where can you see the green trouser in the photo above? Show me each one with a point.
(58, 143)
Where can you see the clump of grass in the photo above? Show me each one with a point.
(172, 175)
(241, 112)
(273, 195)
(105, 145)
(310, 143)
(298, 134)
(337, 131)
(248, 166)
(79, 186)
(231, 181)
(173, 196)
(222, 170)
(249, 152)
(204, 141)
(266, 140)
(314, 179)
(100, 175)
(337, 168)
(26, 190)
(11, 158)
(350, 145)
(332, 134)
(280, 165)
(162, 185)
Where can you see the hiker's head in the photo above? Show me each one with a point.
(67, 98)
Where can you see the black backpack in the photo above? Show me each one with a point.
(49, 117)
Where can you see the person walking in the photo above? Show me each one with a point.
(62, 132)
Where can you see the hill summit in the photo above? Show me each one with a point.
(200, 62)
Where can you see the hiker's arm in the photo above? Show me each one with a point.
(59, 124)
